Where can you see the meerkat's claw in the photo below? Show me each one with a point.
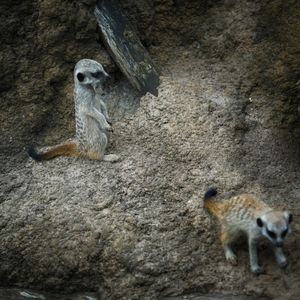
(257, 270)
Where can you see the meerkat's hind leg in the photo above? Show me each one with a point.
(111, 158)
(226, 239)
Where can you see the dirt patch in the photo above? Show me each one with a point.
(227, 115)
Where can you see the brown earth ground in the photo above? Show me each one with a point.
(227, 115)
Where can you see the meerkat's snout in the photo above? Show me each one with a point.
(100, 75)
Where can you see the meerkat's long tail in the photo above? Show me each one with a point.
(65, 149)
(210, 204)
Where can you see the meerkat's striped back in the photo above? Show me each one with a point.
(244, 206)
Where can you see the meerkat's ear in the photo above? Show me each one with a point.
(259, 222)
(288, 216)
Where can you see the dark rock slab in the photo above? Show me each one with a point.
(125, 47)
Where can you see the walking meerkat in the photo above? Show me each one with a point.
(248, 215)
(93, 125)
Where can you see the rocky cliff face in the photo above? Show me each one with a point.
(227, 115)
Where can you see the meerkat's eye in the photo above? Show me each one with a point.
(284, 233)
(271, 234)
(97, 75)
(80, 77)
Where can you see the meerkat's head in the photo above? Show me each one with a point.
(275, 226)
(88, 72)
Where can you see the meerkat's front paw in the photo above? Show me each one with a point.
(231, 257)
(109, 129)
(257, 270)
(280, 257)
(283, 263)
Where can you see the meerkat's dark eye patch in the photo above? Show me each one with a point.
(271, 234)
(97, 74)
(259, 222)
(80, 77)
(290, 218)
(284, 233)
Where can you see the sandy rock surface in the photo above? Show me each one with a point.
(226, 116)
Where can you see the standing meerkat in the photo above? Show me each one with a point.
(248, 215)
(93, 125)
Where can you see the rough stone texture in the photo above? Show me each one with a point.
(227, 115)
